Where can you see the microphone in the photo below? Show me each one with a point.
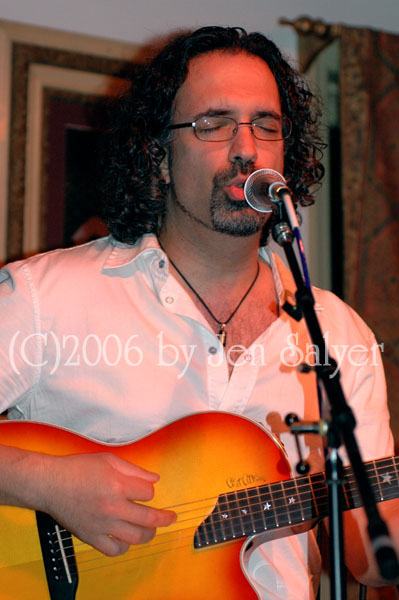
(263, 190)
(266, 191)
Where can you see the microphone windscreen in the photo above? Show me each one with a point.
(256, 189)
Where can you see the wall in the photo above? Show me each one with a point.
(138, 21)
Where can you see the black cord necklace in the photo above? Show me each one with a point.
(222, 335)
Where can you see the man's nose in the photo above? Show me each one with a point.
(243, 145)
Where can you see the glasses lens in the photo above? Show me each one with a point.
(214, 129)
(272, 128)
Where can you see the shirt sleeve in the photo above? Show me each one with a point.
(362, 377)
(20, 348)
(368, 401)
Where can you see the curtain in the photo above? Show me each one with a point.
(369, 107)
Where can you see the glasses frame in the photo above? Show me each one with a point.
(251, 124)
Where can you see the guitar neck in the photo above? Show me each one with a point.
(279, 505)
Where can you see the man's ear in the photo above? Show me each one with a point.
(164, 167)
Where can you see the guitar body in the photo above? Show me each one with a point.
(199, 458)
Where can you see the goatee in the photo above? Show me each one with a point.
(233, 217)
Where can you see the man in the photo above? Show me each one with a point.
(193, 306)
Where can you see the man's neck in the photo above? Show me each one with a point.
(221, 274)
(211, 256)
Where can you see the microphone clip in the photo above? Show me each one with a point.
(282, 232)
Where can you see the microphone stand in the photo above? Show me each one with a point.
(340, 430)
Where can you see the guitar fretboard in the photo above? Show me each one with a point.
(254, 510)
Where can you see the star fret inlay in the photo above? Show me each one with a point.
(386, 478)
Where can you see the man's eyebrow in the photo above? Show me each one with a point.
(268, 113)
(213, 112)
(224, 112)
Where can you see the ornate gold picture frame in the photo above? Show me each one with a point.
(37, 64)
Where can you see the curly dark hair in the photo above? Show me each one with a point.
(135, 194)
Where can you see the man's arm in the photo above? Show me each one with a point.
(96, 501)
(358, 552)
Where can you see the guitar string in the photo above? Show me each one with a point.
(142, 551)
(267, 490)
(127, 558)
(136, 555)
(281, 504)
(285, 506)
(262, 492)
(136, 549)
(137, 552)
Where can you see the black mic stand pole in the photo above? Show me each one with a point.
(341, 429)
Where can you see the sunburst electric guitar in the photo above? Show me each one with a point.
(226, 478)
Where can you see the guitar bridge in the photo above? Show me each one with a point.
(58, 558)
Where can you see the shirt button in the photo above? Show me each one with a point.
(248, 357)
(169, 299)
(212, 350)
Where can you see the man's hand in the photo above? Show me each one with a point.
(95, 497)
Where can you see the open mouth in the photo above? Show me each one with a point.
(235, 191)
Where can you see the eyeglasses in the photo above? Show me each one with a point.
(269, 128)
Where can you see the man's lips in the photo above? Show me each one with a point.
(235, 190)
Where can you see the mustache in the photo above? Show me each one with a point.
(222, 178)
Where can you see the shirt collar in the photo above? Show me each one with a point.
(283, 279)
(124, 257)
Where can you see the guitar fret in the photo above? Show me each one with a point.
(347, 495)
(201, 536)
(242, 511)
(235, 515)
(261, 522)
(319, 492)
(383, 479)
(280, 505)
(252, 524)
(258, 521)
(304, 500)
(312, 481)
(267, 508)
(351, 492)
(215, 525)
(394, 463)
(291, 501)
(381, 495)
(247, 511)
(208, 532)
(387, 478)
(225, 518)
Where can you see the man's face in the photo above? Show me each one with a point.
(207, 178)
